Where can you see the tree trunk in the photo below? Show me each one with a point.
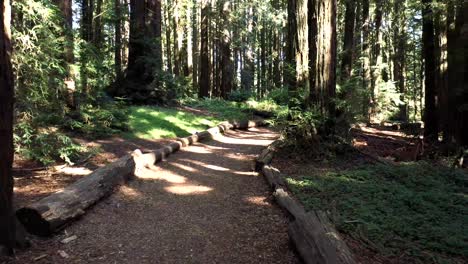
(366, 71)
(195, 52)
(154, 17)
(137, 32)
(86, 36)
(348, 41)
(302, 48)
(226, 64)
(430, 114)
(7, 221)
(205, 73)
(323, 77)
(290, 64)
(168, 38)
(399, 42)
(65, 7)
(97, 36)
(118, 41)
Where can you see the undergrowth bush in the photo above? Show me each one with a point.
(45, 145)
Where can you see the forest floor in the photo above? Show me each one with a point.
(203, 204)
(387, 211)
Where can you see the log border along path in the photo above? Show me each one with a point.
(204, 205)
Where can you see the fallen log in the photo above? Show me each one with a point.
(273, 177)
(317, 241)
(267, 155)
(55, 211)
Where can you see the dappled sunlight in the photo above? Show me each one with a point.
(246, 173)
(217, 168)
(243, 141)
(198, 149)
(257, 200)
(156, 174)
(184, 167)
(75, 171)
(129, 193)
(188, 189)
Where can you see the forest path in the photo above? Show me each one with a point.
(204, 204)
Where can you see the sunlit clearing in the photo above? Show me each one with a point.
(75, 170)
(153, 174)
(257, 200)
(188, 189)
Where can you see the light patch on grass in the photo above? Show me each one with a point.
(157, 122)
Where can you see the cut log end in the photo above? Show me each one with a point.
(33, 222)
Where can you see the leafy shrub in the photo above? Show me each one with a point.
(45, 146)
(240, 96)
(279, 96)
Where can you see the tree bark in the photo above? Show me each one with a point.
(430, 114)
(205, 73)
(323, 62)
(7, 221)
(291, 46)
(348, 41)
(65, 7)
(118, 42)
(226, 63)
(399, 42)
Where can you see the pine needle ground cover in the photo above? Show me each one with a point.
(413, 210)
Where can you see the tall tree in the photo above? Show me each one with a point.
(430, 114)
(7, 221)
(348, 39)
(291, 44)
(399, 43)
(205, 72)
(118, 40)
(323, 61)
(226, 61)
(66, 11)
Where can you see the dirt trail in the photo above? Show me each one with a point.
(202, 205)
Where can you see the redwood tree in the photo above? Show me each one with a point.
(323, 62)
(7, 223)
(430, 114)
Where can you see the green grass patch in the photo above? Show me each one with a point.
(414, 208)
(157, 122)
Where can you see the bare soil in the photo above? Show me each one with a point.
(203, 204)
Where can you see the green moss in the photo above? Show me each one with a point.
(414, 208)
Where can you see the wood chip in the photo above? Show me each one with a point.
(63, 254)
(68, 239)
(40, 257)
